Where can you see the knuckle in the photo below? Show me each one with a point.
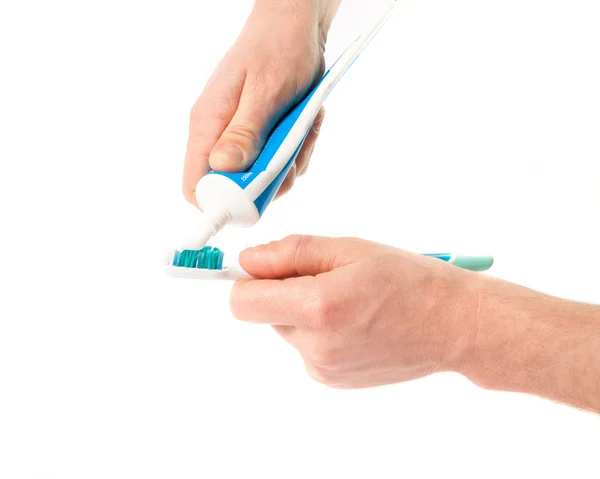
(194, 112)
(318, 123)
(243, 132)
(323, 312)
(293, 246)
(322, 356)
(294, 239)
(296, 242)
(189, 194)
(198, 112)
(318, 375)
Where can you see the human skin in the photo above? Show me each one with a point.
(363, 314)
(274, 62)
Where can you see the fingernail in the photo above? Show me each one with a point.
(228, 154)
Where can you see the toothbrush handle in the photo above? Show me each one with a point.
(234, 273)
(471, 263)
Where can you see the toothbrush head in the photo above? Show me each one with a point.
(206, 258)
(205, 263)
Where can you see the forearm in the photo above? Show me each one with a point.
(537, 344)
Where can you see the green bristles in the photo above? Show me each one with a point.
(206, 258)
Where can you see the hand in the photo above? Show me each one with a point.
(361, 314)
(275, 61)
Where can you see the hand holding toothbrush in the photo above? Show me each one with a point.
(363, 314)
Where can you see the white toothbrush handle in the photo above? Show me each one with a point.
(235, 273)
(232, 273)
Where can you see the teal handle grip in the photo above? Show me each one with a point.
(471, 263)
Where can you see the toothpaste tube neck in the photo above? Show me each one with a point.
(212, 222)
(215, 220)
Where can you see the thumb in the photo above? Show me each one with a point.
(300, 255)
(244, 137)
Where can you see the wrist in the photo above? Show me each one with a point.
(291, 10)
(507, 334)
(532, 343)
(327, 12)
(317, 14)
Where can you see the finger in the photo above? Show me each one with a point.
(209, 117)
(309, 144)
(287, 333)
(289, 181)
(306, 342)
(301, 255)
(243, 138)
(274, 302)
(319, 374)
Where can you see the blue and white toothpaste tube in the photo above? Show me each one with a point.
(241, 198)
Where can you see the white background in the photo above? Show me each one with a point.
(468, 125)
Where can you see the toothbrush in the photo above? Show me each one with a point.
(208, 263)
(241, 198)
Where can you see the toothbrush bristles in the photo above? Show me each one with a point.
(205, 258)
